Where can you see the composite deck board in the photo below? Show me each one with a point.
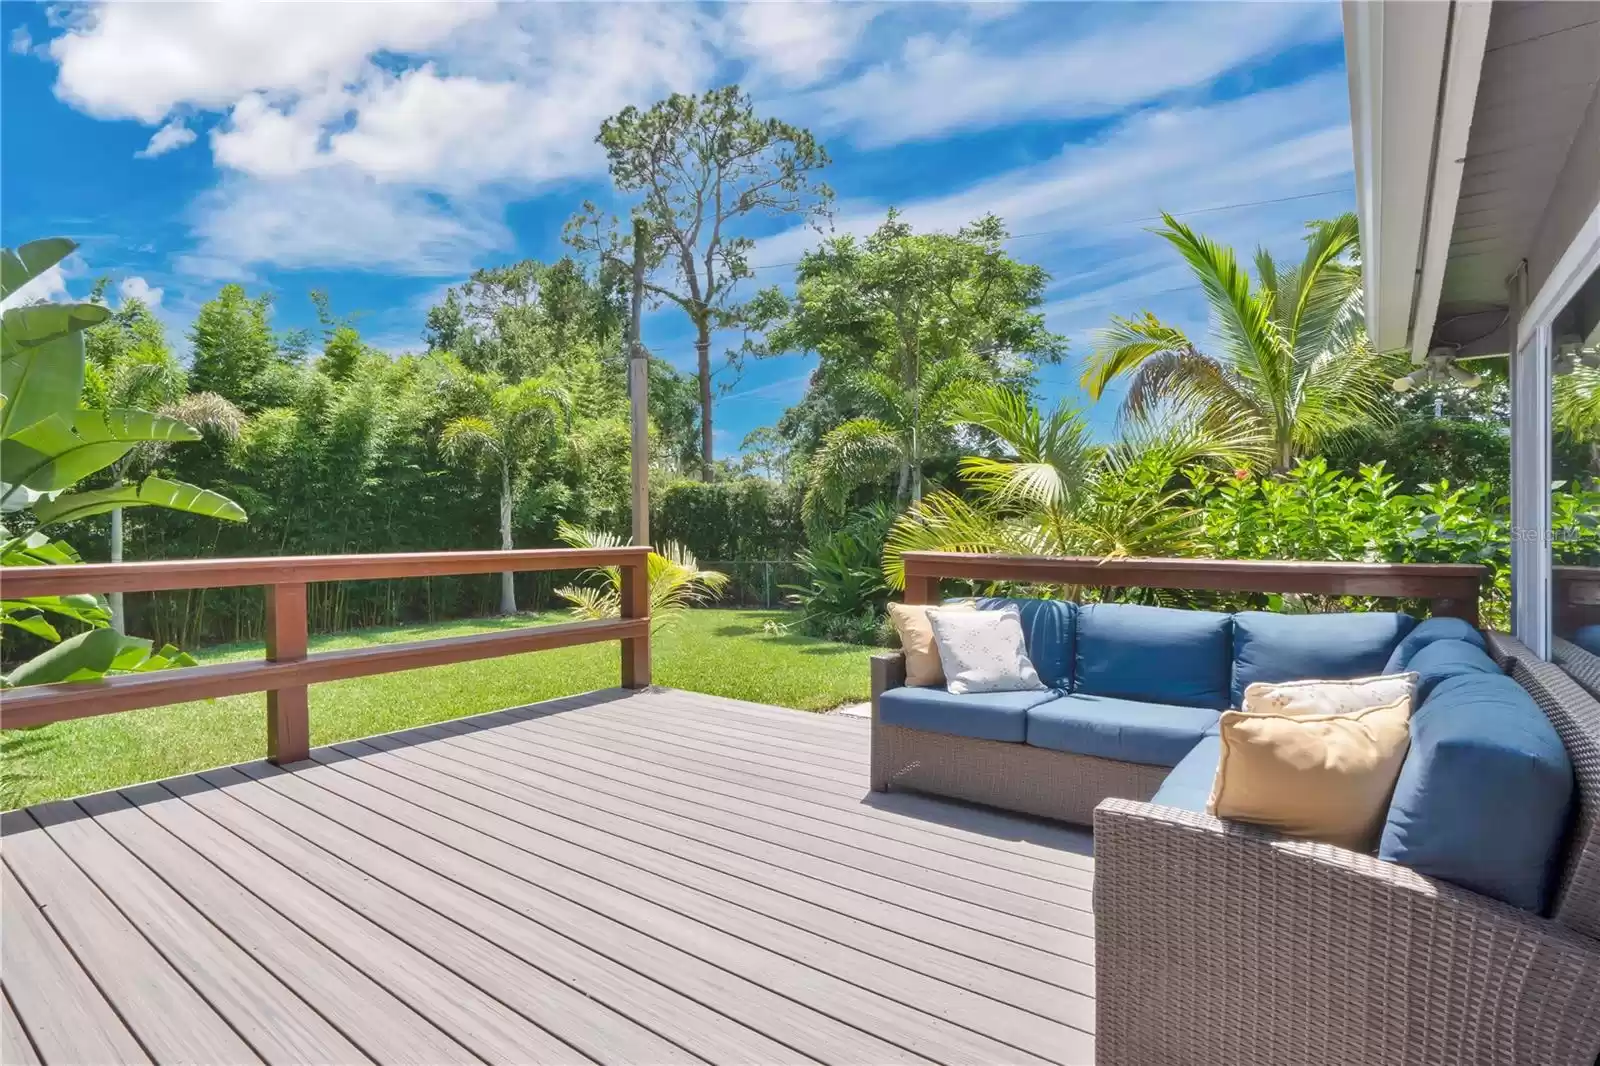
(644, 816)
(670, 731)
(969, 995)
(723, 852)
(653, 877)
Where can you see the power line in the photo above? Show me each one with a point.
(1140, 218)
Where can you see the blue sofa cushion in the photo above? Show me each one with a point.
(1588, 638)
(985, 715)
(1188, 787)
(1445, 659)
(1427, 631)
(1484, 796)
(1302, 647)
(1047, 633)
(1153, 654)
(1159, 734)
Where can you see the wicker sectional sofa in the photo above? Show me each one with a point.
(1221, 943)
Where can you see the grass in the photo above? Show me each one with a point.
(722, 652)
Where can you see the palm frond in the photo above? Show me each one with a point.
(1244, 318)
(1124, 346)
(468, 435)
(943, 521)
(852, 454)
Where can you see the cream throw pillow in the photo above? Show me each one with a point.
(1324, 777)
(1298, 698)
(916, 640)
(983, 651)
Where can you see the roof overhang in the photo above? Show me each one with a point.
(1413, 70)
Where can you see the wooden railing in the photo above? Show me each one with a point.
(288, 668)
(1451, 589)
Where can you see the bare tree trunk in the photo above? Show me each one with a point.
(702, 348)
(904, 484)
(508, 588)
(119, 620)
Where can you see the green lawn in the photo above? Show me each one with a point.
(716, 651)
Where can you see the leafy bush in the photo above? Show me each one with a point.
(751, 518)
(676, 581)
(844, 595)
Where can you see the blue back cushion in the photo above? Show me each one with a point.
(1427, 631)
(1304, 647)
(1484, 796)
(1445, 659)
(1047, 632)
(1154, 654)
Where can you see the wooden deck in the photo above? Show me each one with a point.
(644, 877)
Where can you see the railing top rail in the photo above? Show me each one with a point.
(1437, 581)
(24, 581)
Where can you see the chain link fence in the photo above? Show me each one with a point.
(755, 582)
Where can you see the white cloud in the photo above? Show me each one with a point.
(141, 61)
(796, 43)
(168, 138)
(21, 41)
(941, 84)
(336, 219)
(135, 287)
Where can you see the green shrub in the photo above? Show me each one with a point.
(843, 595)
(751, 518)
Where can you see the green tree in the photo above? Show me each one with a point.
(701, 167)
(884, 315)
(1046, 487)
(1295, 365)
(509, 428)
(130, 366)
(234, 348)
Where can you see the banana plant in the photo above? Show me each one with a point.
(48, 445)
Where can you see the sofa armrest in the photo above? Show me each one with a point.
(888, 671)
(1220, 943)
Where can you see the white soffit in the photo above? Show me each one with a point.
(1395, 55)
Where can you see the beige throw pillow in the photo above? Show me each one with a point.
(1298, 698)
(1315, 777)
(916, 640)
(983, 651)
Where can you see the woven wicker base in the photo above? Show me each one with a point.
(1017, 777)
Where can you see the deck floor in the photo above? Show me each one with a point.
(614, 878)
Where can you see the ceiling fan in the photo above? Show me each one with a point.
(1439, 366)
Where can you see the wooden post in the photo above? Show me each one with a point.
(920, 587)
(288, 709)
(639, 392)
(636, 604)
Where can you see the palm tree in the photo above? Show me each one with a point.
(1575, 401)
(1295, 364)
(903, 425)
(1050, 489)
(508, 429)
(149, 377)
(676, 580)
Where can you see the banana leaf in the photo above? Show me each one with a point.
(55, 454)
(80, 607)
(39, 382)
(31, 623)
(19, 267)
(35, 325)
(151, 492)
(36, 549)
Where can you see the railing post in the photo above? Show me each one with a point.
(636, 604)
(288, 709)
(920, 587)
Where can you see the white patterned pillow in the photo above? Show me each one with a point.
(1300, 698)
(983, 651)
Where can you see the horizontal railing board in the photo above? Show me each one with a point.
(24, 581)
(42, 704)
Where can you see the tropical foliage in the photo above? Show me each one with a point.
(842, 594)
(1292, 366)
(49, 444)
(676, 581)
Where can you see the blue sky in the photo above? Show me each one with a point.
(382, 151)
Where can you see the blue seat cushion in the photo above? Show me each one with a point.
(1153, 654)
(1426, 632)
(1588, 638)
(1305, 647)
(1485, 794)
(1158, 734)
(1047, 634)
(985, 715)
(1444, 659)
(1188, 786)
